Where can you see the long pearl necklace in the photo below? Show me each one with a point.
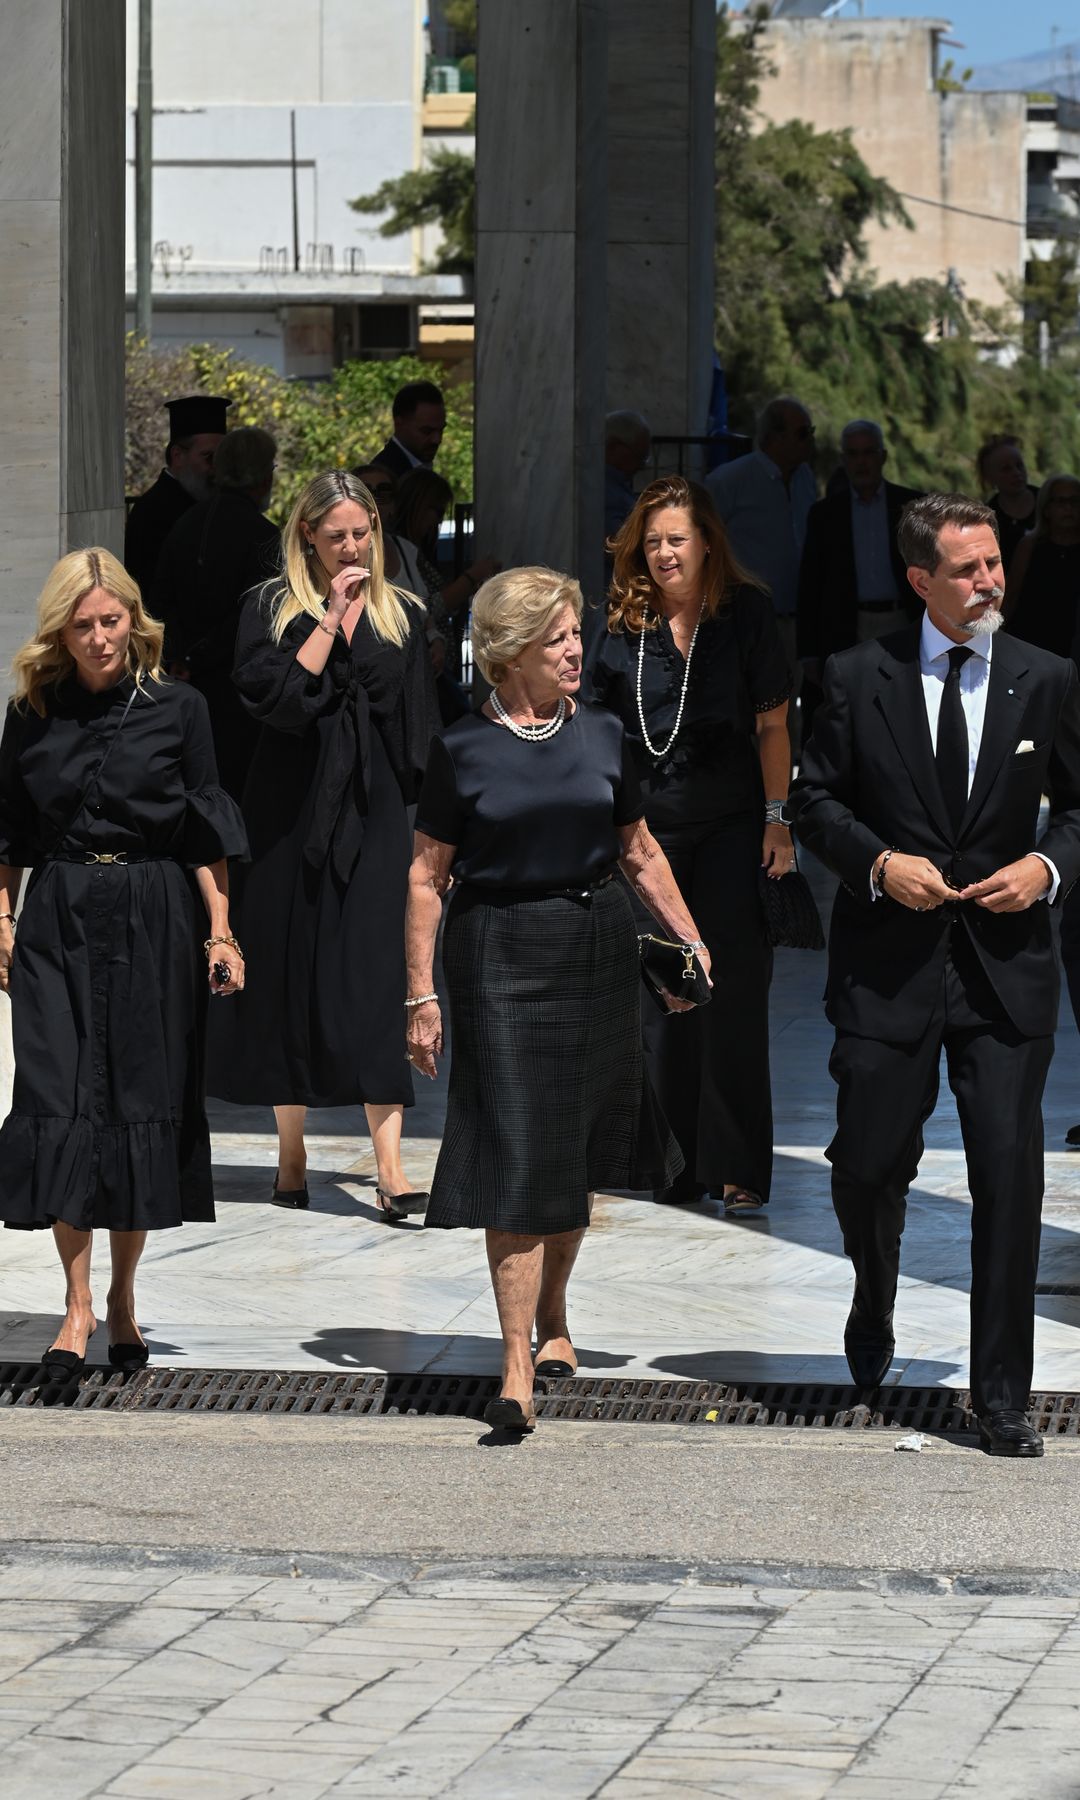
(530, 734)
(649, 745)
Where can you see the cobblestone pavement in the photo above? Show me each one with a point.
(240, 1679)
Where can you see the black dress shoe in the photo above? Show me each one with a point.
(294, 1198)
(869, 1346)
(1009, 1434)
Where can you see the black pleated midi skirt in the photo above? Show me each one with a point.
(548, 1095)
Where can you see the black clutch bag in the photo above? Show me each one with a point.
(674, 967)
(792, 920)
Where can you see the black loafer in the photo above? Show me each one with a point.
(1009, 1434)
(869, 1346)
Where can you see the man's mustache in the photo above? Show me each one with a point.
(995, 593)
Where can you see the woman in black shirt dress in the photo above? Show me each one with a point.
(332, 660)
(699, 644)
(109, 792)
(530, 804)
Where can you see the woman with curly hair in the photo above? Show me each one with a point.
(694, 667)
(109, 792)
(331, 659)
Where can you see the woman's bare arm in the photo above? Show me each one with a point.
(429, 878)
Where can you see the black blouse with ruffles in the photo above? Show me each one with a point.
(738, 669)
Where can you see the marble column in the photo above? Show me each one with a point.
(541, 283)
(660, 227)
(61, 304)
(61, 292)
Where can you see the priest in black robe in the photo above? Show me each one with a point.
(196, 428)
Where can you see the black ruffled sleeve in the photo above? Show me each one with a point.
(17, 830)
(273, 686)
(214, 825)
(766, 670)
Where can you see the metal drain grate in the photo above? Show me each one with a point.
(591, 1398)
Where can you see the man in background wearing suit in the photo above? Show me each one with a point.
(920, 788)
(852, 581)
(419, 422)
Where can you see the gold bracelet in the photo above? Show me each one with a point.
(230, 940)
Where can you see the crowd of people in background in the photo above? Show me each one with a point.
(284, 698)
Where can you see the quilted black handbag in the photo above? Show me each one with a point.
(792, 920)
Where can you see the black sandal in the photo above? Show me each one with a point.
(395, 1207)
(64, 1365)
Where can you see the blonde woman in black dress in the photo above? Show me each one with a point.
(331, 659)
(532, 804)
(109, 792)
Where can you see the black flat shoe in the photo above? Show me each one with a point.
(295, 1198)
(64, 1365)
(395, 1207)
(1009, 1434)
(129, 1357)
(869, 1347)
(506, 1415)
(554, 1366)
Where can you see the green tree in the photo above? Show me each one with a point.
(442, 193)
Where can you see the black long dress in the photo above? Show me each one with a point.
(320, 911)
(108, 981)
(548, 1094)
(704, 802)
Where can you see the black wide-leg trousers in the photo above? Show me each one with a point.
(887, 1091)
(710, 1068)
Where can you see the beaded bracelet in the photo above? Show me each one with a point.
(421, 1000)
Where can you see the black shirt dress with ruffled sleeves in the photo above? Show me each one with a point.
(108, 984)
(320, 910)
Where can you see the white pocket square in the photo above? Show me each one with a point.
(1024, 746)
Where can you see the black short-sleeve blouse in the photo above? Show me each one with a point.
(530, 815)
(738, 669)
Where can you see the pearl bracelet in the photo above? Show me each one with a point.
(421, 1000)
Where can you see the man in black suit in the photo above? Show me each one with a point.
(852, 581)
(920, 788)
(419, 422)
(197, 425)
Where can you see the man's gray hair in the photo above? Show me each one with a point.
(869, 426)
(626, 428)
(923, 520)
(772, 419)
(245, 459)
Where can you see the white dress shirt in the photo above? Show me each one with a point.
(934, 649)
(766, 522)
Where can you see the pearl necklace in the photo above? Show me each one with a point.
(649, 745)
(530, 734)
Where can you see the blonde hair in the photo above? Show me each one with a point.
(514, 609)
(385, 605)
(45, 658)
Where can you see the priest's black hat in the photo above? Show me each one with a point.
(197, 413)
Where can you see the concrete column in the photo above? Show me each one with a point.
(61, 304)
(661, 230)
(540, 283)
(61, 292)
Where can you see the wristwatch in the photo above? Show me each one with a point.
(776, 813)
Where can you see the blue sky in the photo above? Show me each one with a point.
(990, 29)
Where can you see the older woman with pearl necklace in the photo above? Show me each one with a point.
(531, 804)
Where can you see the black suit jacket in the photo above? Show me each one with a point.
(827, 617)
(149, 522)
(393, 457)
(869, 782)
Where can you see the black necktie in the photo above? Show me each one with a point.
(952, 739)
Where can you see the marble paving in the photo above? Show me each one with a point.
(676, 1292)
(248, 1684)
